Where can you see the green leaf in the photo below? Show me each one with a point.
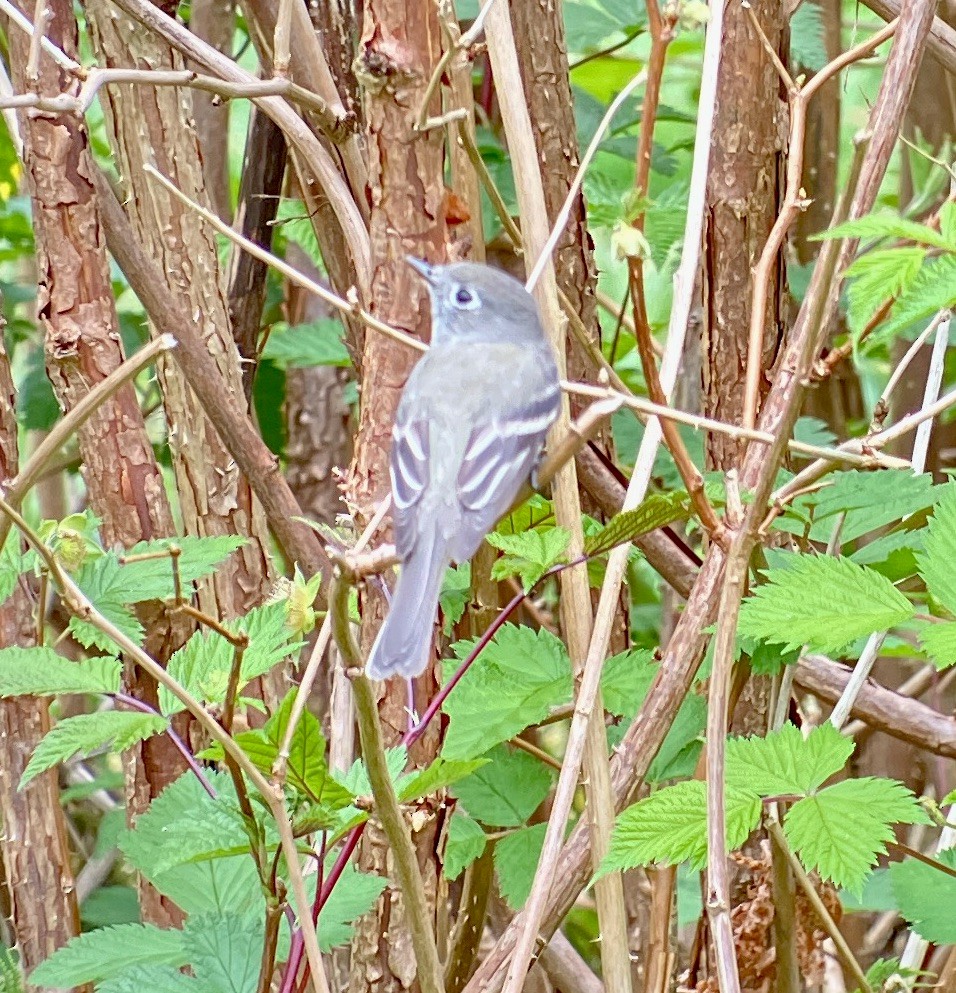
(841, 830)
(876, 276)
(514, 683)
(786, 762)
(654, 512)
(185, 823)
(354, 895)
(107, 952)
(529, 555)
(88, 732)
(670, 826)
(626, 679)
(505, 791)
(937, 561)
(455, 596)
(155, 978)
(225, 951)
(356, 780)
(466, 841)
(306, 771)
(110, 905)
(886, 226)
(586, 26)
(933, 289)
(926, 897)
(203, 664)
(822, 601)
(42, 672)
(152, 579)
(437, 776)
(303, 346)
(516, 861)
(12, 563)
(947, 223)
(808, 37)
(101, 580)
(939, 642)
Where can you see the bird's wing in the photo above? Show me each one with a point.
(498, 459)
(409, 470)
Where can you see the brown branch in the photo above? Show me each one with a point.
(880, 708)
(794, 198)
(235, 428)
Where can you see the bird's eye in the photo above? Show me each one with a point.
(464, 299)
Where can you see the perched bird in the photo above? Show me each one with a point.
(468, 434)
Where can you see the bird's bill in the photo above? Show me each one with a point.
(426, 271)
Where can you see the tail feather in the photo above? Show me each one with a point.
(404, 641)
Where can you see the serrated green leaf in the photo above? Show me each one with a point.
(203, 664)
(437, 776)
(466, 842)
(534, 512)
(107, 952)
(306, 770)
(939, 642)
(354, 895)
(670, 826)
(785, 762)
(841, 830)
(654, 512)
(304, 346)
(109, 905)
(822, 601)
(886, 226)
(876, 276)
(87, 733)
(933, 289)
(926, 897)
(12, 563)
(937, 561)
(101, 580)
(356, 780)
(516, 861)
(184, 823)
(506, 790)
(626, 679)
(455, 596)
(514, 683)
(152, 579)
(225, 951)
(42, 672)
(530, 554)
(155, 978)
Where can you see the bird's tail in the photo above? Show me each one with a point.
(404, 641)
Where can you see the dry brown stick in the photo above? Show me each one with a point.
(880, 708)
(238, 434)
(794, 199)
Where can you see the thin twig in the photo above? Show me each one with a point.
(55, 52)
(844, 706)
(42, 15)
(793, 202)
(404, 858)
(75, 418)
(819, 907)
(351, 309)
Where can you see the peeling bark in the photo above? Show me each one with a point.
(76, 312)
(155, 125)
(743, 194)
(36, 857)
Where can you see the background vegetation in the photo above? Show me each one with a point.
(692, 720)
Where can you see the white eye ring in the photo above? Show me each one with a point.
(463, 298)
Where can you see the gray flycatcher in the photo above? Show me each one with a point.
(468, 434)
